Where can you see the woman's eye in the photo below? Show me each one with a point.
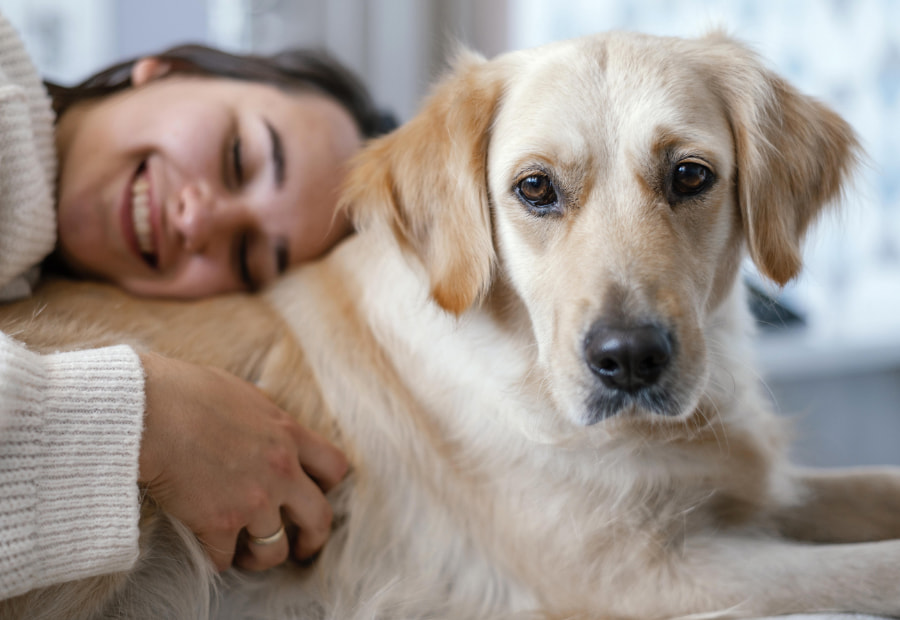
(690, 178)
(538, 193)
(236, 161)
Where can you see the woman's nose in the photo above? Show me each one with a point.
(195, 217)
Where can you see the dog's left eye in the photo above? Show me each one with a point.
(689, 178)
(538, 193)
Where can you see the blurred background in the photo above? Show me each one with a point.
(836, 370)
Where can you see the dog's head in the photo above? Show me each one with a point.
(613, 182)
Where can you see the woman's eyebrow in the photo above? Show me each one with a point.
(277, 154)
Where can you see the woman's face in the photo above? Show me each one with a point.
(188, 186)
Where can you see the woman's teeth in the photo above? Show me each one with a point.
(140, 212)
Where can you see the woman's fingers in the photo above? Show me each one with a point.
(305, 509)
(264, 546)
(264, 542)
(308, 515)
(323, 462)
(311, 513)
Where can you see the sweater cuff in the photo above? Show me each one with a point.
(89, 495)
(87, 502)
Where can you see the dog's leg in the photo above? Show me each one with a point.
(843, 506)
(737, 576)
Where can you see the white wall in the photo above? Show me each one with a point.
(397, 46)
(67, 39)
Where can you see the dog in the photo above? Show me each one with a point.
(536, 353)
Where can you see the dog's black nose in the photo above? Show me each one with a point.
(629, 358)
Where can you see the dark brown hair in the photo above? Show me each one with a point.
(294, 69)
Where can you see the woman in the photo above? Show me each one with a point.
(187, 174)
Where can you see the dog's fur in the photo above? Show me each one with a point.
(446, 347)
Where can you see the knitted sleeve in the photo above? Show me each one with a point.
(70, 429)
(27, 166)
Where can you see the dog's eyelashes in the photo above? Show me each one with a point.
(538, 193)
(689, 178)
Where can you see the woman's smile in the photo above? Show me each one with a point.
(139, 228)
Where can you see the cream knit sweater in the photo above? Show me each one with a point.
(70, 423)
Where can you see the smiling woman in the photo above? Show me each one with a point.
(188, 186)
(188, 183)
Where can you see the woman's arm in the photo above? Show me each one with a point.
(70, 431)
(27, 166)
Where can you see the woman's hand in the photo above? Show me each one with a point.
(221, 457)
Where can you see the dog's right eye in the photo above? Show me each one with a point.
(538, 194)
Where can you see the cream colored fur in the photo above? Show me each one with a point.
(443, 347)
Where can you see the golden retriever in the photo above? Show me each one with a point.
(536, 353)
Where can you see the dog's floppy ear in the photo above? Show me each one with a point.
(428, 181)
(793, 156)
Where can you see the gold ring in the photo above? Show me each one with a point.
(267, 540)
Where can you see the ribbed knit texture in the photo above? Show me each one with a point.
(27, 166)
(69, 504)
(70, 423)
